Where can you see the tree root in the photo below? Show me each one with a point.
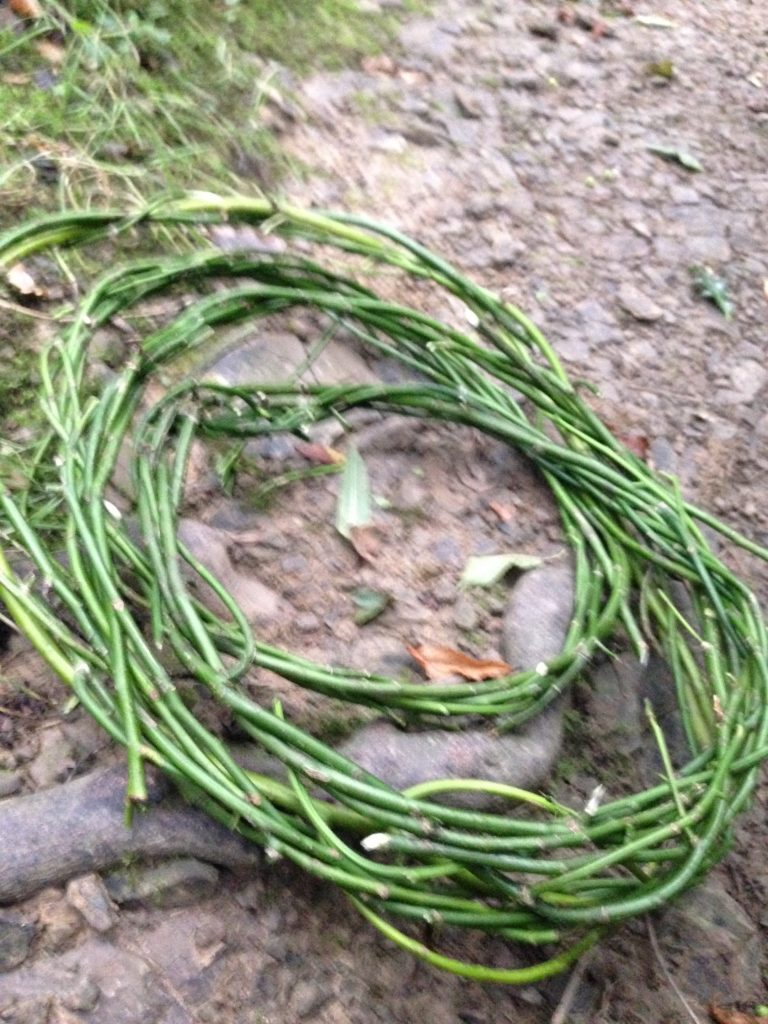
(68, 830)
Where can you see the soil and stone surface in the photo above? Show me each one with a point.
(517, 139)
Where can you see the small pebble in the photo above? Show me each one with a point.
(10, 783)
(465, 614)
(89, 896)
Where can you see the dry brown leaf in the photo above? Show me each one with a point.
(20, 79)
(638, 444)
(20, 279)
(319, 453)
(502, 511)
(26, 8)
(50, 51)
(365, 542)
(723, 1016)
(439, 662)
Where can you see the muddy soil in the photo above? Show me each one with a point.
(521, 140)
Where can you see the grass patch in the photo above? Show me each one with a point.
(101, 100)
(106, 101)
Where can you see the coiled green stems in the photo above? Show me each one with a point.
(103, 615)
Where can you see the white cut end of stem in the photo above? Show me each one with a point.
(375, 841)
(595, 800)
(472, 318)
(541, 669)
(113, 510)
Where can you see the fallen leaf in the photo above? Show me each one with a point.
(661, 69)
(26, 8)
(370, 604)
(353, 506)
(680, 156)
(22, 281)
(638, 444)
(50, 51)
(20, 79)
(365, 541)
(320, 454)
(438, 662)
(723, 1016)
(502, 511)
(485, 570)
(654, 21)
(714, 288)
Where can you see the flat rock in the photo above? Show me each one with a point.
(638, 304)
(178, 882)
(538, 614)
(275, 357)
(402, 759)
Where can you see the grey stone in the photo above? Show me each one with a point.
(15, 941)
(447, 551)
(59, 923)
(638, 305)
(615, 709)
(538, 614)
(748, 377)
(423, 133)
(717, 948)
(308, 997)
(524, 758)
(10, 782)
(268, 357)
(173, 883)
(83, 997)
(275, 357)
(465, 613)
(306, 622)
(468, 103)
(89, 896)
(54, 761)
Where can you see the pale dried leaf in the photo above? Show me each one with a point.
(353, 506)
(485, 570)
(438, 662)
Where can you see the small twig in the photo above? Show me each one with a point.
(667, 973)
(35, 314)
(571, 990)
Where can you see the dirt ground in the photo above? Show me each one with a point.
(521, 140)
